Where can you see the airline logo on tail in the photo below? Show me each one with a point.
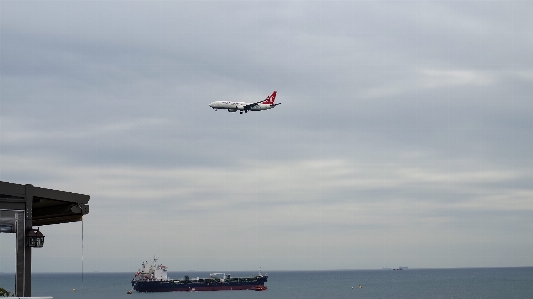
(270, 99)
(266, 104)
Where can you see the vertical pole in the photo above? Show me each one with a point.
(27, 250)
(20, 236)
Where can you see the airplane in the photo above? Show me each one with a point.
(268, 103)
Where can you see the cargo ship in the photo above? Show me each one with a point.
(153, 278)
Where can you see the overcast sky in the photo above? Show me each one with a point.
(405, 137)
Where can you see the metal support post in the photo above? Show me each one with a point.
(24, 223)
(28, 225)
(21, 250)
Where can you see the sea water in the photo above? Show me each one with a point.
(412, 283)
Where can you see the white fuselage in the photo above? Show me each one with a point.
(239, 106)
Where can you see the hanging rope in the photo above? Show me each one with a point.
(82, 250)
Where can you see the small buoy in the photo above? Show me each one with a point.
(74, 290)
(360, 286)
(130, 292)
(352, 288)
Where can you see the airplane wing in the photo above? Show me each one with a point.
(249, 106)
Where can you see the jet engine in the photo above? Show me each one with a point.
(232, 110)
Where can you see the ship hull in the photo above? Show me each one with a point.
(172, 286)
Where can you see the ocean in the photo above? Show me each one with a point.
(468, 283)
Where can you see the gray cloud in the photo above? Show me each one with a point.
(402, 123)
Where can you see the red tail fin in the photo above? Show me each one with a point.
(270, 99)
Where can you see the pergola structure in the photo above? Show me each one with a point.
(25, 206)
